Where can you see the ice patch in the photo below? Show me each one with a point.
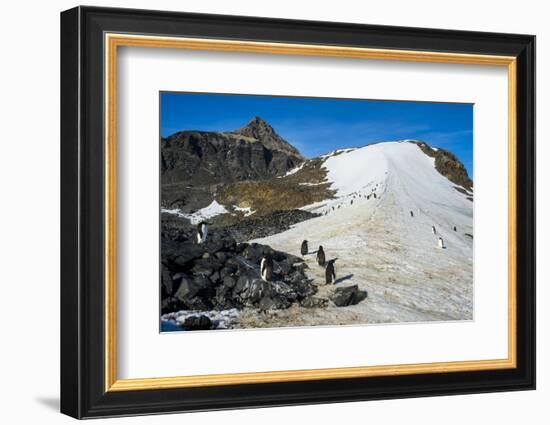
(312, 184)
(247, 210)
(203, 214)
(293, 171)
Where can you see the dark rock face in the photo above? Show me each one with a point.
(197, 323)
(193, 162)
(267, 225)
(349, 295)
(448, 165)
(259, 129)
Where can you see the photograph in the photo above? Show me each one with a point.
(281, 211)
(300, 210)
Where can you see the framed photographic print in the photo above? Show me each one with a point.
(261, 212)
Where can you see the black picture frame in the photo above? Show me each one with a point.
(83, 392)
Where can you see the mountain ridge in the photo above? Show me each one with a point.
(255, 169)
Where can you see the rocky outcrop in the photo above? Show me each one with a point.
(267, 225)
(197, 323)
(253, 152)
(195, 163)
(260, 130)
(223, 274)
(448, 165)
(240, 229)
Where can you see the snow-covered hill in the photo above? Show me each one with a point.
(379, 226)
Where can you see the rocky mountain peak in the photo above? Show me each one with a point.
(257, 127)
(261, 130)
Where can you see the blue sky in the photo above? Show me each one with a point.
(318, 125)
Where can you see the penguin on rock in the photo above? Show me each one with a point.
(266, 268)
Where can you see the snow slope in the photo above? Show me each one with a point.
(380, 247)
(203, 214)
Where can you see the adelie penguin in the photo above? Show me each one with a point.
(433, 230)
(303, 248)
(266, 268)
(440, 243)
(412, 214)
(330, 273)
(321, 256)
(202, 232)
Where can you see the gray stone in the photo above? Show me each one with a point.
(349, 295)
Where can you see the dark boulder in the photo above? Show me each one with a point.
(170, 305)
(205, 266)
(167, 284)
(227, 271)
(253, 252)
(190, 287)
(222, 256)
(229, 282)
(349, 295)
(197, 323)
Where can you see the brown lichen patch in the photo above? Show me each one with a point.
(306, 186)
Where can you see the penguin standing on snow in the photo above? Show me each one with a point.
(202, 232)
(266, 268)
(321, 256)
(433, 230)
(454, 228)
(412, 214)
(303, 248)
(330, 273)
(441, 244)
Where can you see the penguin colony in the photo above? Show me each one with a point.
(266, 263)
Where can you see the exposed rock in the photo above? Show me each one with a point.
(197, 323)
(230, 277)
(167, 282)
(448, 165)
(192, 161)
(314, 302)
(349, 295)
(259, 129)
